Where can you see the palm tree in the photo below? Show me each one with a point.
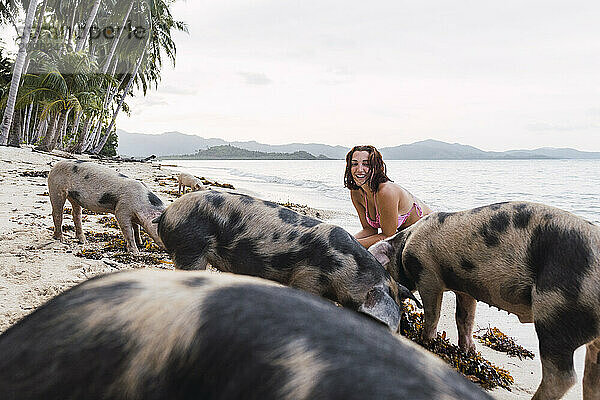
(160, 41)
(16, 76)
(60, 93)
(88, 26)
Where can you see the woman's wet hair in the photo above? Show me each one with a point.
(377, 169)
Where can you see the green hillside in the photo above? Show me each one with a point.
(228, 152)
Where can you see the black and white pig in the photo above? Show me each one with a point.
(241, 234)
(536, 261)
(199, 335)
(101, 189)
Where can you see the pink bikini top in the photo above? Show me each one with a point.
(401, 218)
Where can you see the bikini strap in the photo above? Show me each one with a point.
(418, 208)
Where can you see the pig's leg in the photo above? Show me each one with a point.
(465, 316)
(136, 235)
(57, 199)
(76, 212)
(432, 303)
(591, 375)
(126, 225)
(558, 374)
(179, 189)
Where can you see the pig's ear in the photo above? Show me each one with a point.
(380, 306)
(382, 251)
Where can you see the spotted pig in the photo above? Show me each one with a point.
(199, 335)
(184, 179)
(241, 234)
(536, 261)
(101, 189)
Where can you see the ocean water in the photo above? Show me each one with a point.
(445, 185)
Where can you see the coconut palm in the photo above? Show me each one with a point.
(16, 76)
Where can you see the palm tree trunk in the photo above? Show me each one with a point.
(88, 26)
(76, 124)
(42, 125)
(14, 139)
(16, 76)
(72, 26)
(117, 39)
(47, 141)
(102, 142)
(58, 135)
(36, 37)
(89, 138)
(81, 139)
(63, 130)
(28, 123)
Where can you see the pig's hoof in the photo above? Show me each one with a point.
(81, 239)
(467, 348)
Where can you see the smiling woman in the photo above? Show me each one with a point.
(374, 194)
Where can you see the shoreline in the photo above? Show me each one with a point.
(34, 267)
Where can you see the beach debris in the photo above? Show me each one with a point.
(35, 174)
(217, 184)
(172, 193)
(112, 246)
(497, 340)
(473, 366)
(84, 211)
(109, 222)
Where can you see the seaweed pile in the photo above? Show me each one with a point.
(206, 182)
(112, 245)
(35, 174)
(84, 211)
(474, 367)
(495, 339)
(109, 222)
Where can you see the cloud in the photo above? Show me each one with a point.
(255, 78)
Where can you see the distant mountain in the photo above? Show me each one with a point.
(229, 152)
(169, 143)
(175, 143)
(436, 150)
(432, 149)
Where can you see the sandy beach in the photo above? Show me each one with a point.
(34, 267)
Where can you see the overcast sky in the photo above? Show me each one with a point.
(497, 75)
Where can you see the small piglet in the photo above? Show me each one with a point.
(184, 179)
(536, 261)
(241, 234)
(199, 335)
(101, 189)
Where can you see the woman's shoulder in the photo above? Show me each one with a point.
(390, 189)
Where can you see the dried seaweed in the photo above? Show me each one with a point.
(495, 339)
(172, 193)
(109, 222)
(85, 211)
(206, 182)
(35, 174)
(474, 367)
(112, 245)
